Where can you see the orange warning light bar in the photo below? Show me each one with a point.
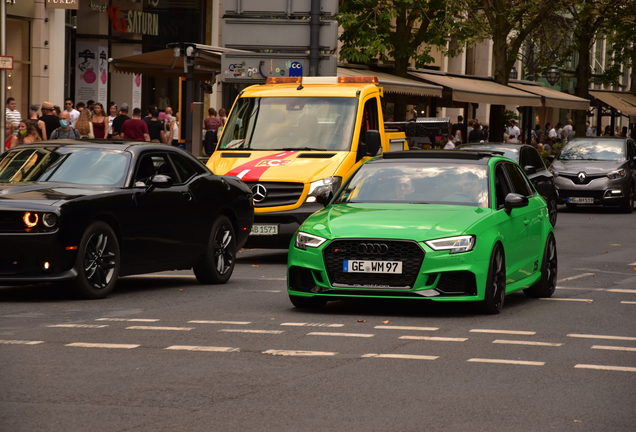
(358, 80)
(283, 80)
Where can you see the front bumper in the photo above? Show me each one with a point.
(441, 277)
(603, 190)
(35, 258)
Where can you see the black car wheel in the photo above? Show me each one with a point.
(217, 264)
(628, 206)
(98, 261)
(495, 282)
(552, 209)
(307, 302)
(547, 284)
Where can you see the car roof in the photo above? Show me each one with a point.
(449, 155)
(132, 146)
(507, 146)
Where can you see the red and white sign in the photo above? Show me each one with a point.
(6, 62)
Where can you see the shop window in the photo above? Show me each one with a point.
(18, 37)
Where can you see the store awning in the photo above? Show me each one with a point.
(616, 100)
(554, 98)
(395, 84)
(164, 63)
(475, 90)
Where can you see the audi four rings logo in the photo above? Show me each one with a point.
(581, 177)
(259, 192)
(373, 248)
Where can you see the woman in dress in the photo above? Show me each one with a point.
(84, 125)
(39, 124)
(174, 130)
(27, 132)
(112, 113)
(100, 122)
(12, 141)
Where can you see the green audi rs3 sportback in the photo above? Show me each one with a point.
(436, 225)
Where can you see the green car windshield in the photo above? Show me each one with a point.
(418, 183)
(602, 150)
(64, 164)
(304, 123)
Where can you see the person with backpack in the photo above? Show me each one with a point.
(65, 131)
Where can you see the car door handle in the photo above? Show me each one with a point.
(526, 221)
(187, 196)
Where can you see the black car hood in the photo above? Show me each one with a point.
(587, 166)
(48, 193)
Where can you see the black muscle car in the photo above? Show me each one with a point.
(87, 212)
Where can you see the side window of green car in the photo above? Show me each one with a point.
(518, 180)
(502, 188)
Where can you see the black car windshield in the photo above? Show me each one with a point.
(67, 164)
(602, 150)
(425, 183)
(305, 123)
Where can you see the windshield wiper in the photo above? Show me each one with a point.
(302, 148)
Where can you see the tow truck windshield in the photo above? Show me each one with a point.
(316, 123)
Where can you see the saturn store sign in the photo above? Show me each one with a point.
(134, 21)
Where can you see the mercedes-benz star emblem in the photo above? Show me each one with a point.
(259, 192)
(581, 177)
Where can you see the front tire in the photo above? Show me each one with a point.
(98, 262)
(547, 284)
(552, 209)
(307, 302)
(217, 264)
(495, 282)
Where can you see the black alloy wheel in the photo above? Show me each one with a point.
(495, 282)
(98, 262)
(217, 264)
(628, 206)
(552, 209)
(549, 267)
(307, 302)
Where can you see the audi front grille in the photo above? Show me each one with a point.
(408, 252)
(278, 193)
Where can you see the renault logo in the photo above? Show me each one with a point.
(372, 249)
(581, 177)
(259, 192)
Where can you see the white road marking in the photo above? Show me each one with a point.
(600, 367)
(634, 264)
(581, 289)
(101, 345)
(127, 319)
(252, 331)
(619, 290)
(515, 362)
(257, 290)
(567, 299)
(589, 336)
(517, 332)
(78, 325)
(159, 328)
(576, 277)
(386, 327)
(158, 276)
(20, 342)
(311, 325)
(401, 356)
(219, 322)
(202, 348)
(613, 348)
(433, 338)
(292, 353)
(364, 335)
(628, 302)
(513, 342)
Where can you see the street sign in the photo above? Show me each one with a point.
(6, 62)
(277, 7)
(256, 67)
(253, 34)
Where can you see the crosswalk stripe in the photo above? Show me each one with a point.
(601, 367)
(219, 322)
(435, 338)
(514, 362)
(101, 345)
(590, 336)
(363, 335)
(613, 348)
(159, 328)
(513, 342)
(202, 348)
(386, 327)
(311, 325)
(401, 356)
(296, 353)
(78, 325)
(20, 342)
(252, 331)
(517, 332)
(567, 299)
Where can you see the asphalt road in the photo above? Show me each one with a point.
(164, 353)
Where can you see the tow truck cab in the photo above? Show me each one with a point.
(294, 141)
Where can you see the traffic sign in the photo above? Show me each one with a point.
(281, 34)
(278, 7)
(6, 62)
(256, 67)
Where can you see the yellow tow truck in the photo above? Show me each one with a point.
(294, 141)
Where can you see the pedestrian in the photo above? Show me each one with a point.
(65, 131)
(458, 137)
(84, 125)
(174, 131)
(169, 115)
(112, 115)
(28, 133)
(68, 105)
(624, 132)
(50, 120)
(449, 143)
(11, 139)
(486, 130)
(212, 123)
(550, 131)
(80, 107)
(135, 129)
(608, 131)
(39, 124)
(588, 129)
(155, 128)
(90, 105)
(223, 115)
(513, 129)
(540, 147)
(119, 120)
(100, 121)
(477, 134)
(12, 114)
(566, 130)
(151, 108)
(469, 129)
(559, 131)
(513, 139)
(57, 110)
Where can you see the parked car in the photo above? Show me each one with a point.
(432, 225)
(88, 212)
(596, 171)
(530, 160)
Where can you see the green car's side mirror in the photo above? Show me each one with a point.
(514, 200)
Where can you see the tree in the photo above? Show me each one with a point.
(397, 30)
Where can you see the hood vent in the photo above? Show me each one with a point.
(236, 155)
(315, 155)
